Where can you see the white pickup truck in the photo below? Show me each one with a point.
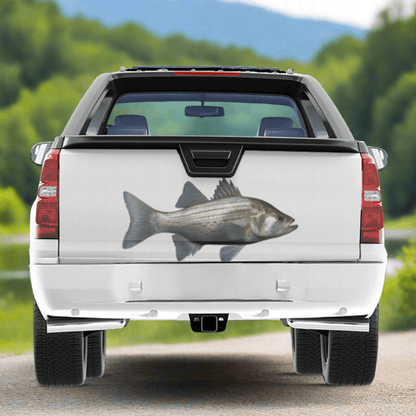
(207, 194)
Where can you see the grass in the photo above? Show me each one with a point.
(389, 305)
(406, 222)
(16, 322)
(390, 317)
(21, 229)
(14, 257)
(16, 300)
(16, 331)
(394, 247)
(167, 332)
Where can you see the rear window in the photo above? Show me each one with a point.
(205, 114)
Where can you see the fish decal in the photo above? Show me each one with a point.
(228, 219)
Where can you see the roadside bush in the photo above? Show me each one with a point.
(398, 301)
(407, 285)
(13, 212)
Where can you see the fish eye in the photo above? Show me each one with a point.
(280, 218)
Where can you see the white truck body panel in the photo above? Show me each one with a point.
(322, 191)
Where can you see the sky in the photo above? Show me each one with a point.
(296, 30)
(360, 13)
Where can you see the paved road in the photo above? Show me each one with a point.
(243, 376)
(7, 239)
(399, 234)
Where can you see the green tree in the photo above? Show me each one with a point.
(340, 48)
(400, 184)
(38, 116)
(130, 39)
(388, 52)
(48, 61)
(15, 142)
(32, 34)
(13, 211)
(390, 110)
(10, 83)
(407, 285)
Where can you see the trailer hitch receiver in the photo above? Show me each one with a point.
(208, 322)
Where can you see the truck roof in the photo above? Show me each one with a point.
(208, 68)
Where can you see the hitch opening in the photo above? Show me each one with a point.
(208, 322)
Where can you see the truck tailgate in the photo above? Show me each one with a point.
(321, 191)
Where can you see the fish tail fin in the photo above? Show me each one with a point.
(140, 225)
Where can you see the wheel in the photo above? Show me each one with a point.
(96, 354)
(306, 351)
(60, 358)
(350, 358)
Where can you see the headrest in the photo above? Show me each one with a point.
(274, 123)
(129, 124)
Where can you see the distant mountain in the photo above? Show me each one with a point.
(270, 34)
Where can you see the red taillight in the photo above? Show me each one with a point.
(50, 170)
(47, 208)
(371, 207)
(209, 73)
(45, 231)
(47, 211)
(372, 217)
(370, 174)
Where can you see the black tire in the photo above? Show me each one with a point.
(60, 358)
(96, 354)
(350, 358)
(306, 351)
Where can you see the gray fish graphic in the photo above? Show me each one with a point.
(228, 219)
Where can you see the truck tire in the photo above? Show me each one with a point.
(350, 358)
(96, 354)
(60, 358)
(306, 351)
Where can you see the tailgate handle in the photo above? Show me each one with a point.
(211, 158)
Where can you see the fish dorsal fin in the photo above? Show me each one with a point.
(225, 189)
(191, 195)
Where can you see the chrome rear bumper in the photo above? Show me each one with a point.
(332, 324)
(54, 325)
